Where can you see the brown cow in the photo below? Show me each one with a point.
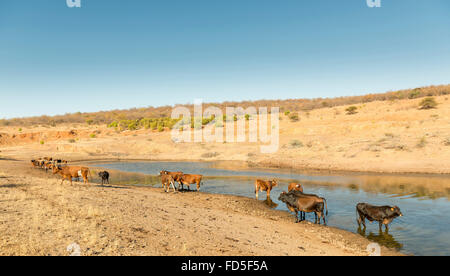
(263, 185)
(188, 179)
(35, 163)
(295, 187)
(166, 181)
(300, 202)
(72, 172)
(176, 175)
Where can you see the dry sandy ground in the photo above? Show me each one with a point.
(388, 136)
(39, 216)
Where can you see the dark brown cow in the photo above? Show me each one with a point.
(72, 172)
(300, 202)
(383, 214)
(263, 185)
(188, 179)
(295, 187)
(166, 181)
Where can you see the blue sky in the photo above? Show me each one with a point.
(114, 54)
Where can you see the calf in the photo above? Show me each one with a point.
(263, 185)
(383, 214)
(104, 176)
(295, 187)
(167, 180)
(300, 202)
(72, 172)
(188, 179)
(176, 175)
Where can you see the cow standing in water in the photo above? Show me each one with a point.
(383, 214)
(262, 185)
(72, 172)
(306, 203)
(188, 179)
(295, 187)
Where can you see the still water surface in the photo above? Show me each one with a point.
(424, 200)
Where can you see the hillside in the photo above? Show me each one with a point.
(382, 136)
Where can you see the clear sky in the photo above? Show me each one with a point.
(112, 54)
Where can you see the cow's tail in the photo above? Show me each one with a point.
(326, 207)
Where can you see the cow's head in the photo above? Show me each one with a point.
(396, 211)
(274, 183)
(163, 172)
(56, 169)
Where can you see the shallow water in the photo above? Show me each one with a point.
(424, 200)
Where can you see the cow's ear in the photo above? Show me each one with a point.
(392, 209)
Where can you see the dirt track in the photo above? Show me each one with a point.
(41, 217)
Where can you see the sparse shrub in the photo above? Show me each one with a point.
(89, 121)
(92, 135)
(414, 94)
(42, 142)
(447, 142)
(71, 141)
(351, 110)
(296, 144)
(287, 112)
(247, 117)
(210, 155)
(294, 117)
(422, 142)
(428, 103)
(390, 135)
(20, 130)
(160, 128)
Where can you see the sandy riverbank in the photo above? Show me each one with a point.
(42, 217)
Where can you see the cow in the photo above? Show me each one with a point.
(166, 181)
(295, 187)
(383, 214)
(263, 185)
(188, 179)
(104, 176)
(300, 202)
(35, 163)
(72, 172)
(176, 175)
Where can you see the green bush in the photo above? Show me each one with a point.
(92, 135)
(42, 142)
(296, 144)
(428, 103)
(414, 94)
(294, 117)
(351, 110)
(71, 141)
(287, 112)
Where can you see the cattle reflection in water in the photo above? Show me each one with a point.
(383, 238)
(270, 203)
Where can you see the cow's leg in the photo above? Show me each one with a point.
(381, 226)
(198, 186)
(296, 217)
(323, 216)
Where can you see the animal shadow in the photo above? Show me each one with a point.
(383, 238)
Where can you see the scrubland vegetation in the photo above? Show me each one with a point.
(158, 118)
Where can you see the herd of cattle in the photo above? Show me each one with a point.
(58, 166)
(295, 199)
